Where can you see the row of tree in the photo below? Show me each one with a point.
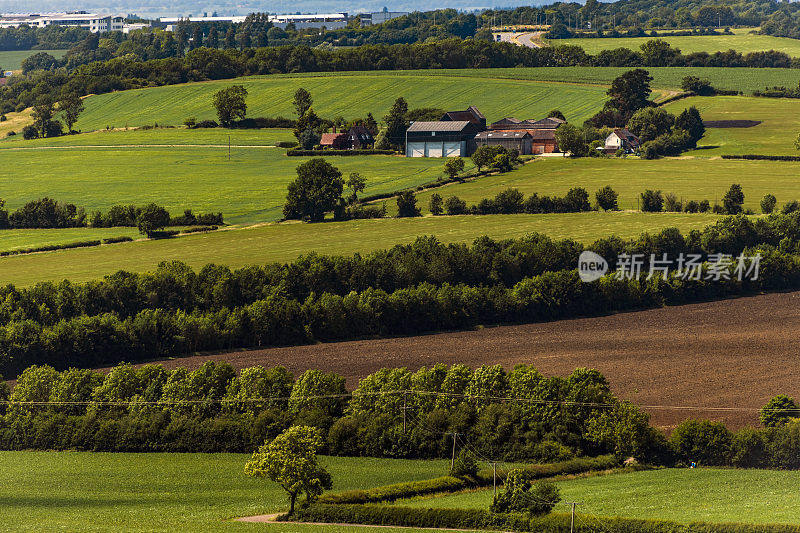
(210, 64)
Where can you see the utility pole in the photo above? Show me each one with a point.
(453, 458)
(229, 147)
(572, 518)
(405, 407)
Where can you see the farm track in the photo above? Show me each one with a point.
(730, 355)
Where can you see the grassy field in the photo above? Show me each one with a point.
(285, 242)
(72, 491)
(742, 41)
(250, 187)
(683, 495)
(780, 124)
(349, 96)
(690, 179)
(12, 60)
(161, 136)
(27, 238)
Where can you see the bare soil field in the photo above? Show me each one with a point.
(720, 360)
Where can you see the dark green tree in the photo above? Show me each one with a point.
(607, 198)
(397, 122)
(407, 205)
(316, 190)
(302, 101)
(70, 106)
(768, 204)
(230, 104)
(435, 205)
(733, 200)
(151, 219)
(778, 411)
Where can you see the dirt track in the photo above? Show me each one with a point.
(734, 353)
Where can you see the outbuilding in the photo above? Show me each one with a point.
(519, 140)
(455, 138)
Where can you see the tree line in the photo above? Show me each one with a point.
(46, 213)
(409, 289)
(211, 64)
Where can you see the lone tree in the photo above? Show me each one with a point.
(435, 204)
(454, 167)
(397, 122)
(316, 190)
(483, 156)
(407, 205)
(230, 104)
(71, 106)
(768, 204)
(152, 218)
(521, 494)
(652, 201)
(43, 111)
(290, 460)
(572, 140)
(733, 200)
(302, 101)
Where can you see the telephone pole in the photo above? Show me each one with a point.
(494, 478)
(405, 407)
(453, 458)
(572, 517)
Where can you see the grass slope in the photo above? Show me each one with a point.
(12, 60)
(690, 179)
(159, 136)
(72, 491)
(285, 242)
(250, 187)
(346, 95)
(683, 495)
(780, 124)
(742, 41)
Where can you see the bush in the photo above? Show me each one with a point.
(701, 441)
(672, 204)
(465, 465)
(607, 199)
(768, 204)
(435, 205)
(455, 206)
(207, 124)
(407, 205)
(29, 132)
(652, 201)
(521, 494)
(114, 240)
(790, 207)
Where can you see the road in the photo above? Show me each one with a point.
(531, 39)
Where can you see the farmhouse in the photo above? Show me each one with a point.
(337, 141)
(519, 140)
(445, 138)
(621, 138)
(359, 138)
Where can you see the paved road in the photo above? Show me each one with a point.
(531, 39)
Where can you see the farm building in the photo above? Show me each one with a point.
(519, 140)
(621, 138)
(453, 138)
(542, 132)
(471, 114)
(359, 138)
(337, 141)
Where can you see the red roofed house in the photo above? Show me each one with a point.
(337, 141)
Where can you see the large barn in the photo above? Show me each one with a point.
(454, 138)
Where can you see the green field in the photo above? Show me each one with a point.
(285, 242)
(161, 136)
(12, 60)
(689, 179)
(683, 495)
(28, 238)
(780, 124)
(74, 491)
(742, 41)
(251, 187)
(349, 96)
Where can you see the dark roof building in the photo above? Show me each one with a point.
(519, 140)
(621, 138)
(471, 114)
(441, 139)
(508, 123)
(359, 138)
(337, 141)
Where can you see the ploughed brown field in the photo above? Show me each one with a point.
(719, 360)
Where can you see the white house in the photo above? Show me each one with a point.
(621, 138)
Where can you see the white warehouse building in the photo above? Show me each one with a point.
(90, 21)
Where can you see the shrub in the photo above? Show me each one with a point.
(691, 207)
(790, 207)
(652, 201)
(114, 240)
(407, 205)
(436, 204)
(29, 132)
(455, 206)
(465, 465)
(521, 494)
(672, 204)
(607, 198)
(768, 204)
(702, 441)
(453, 167)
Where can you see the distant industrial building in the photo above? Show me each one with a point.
(379, 17)
(330, 21)
(90, 21)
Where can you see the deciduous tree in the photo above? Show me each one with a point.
(230, 104)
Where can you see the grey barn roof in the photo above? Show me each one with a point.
(449, 126)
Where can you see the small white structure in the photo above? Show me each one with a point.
(379, 17)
